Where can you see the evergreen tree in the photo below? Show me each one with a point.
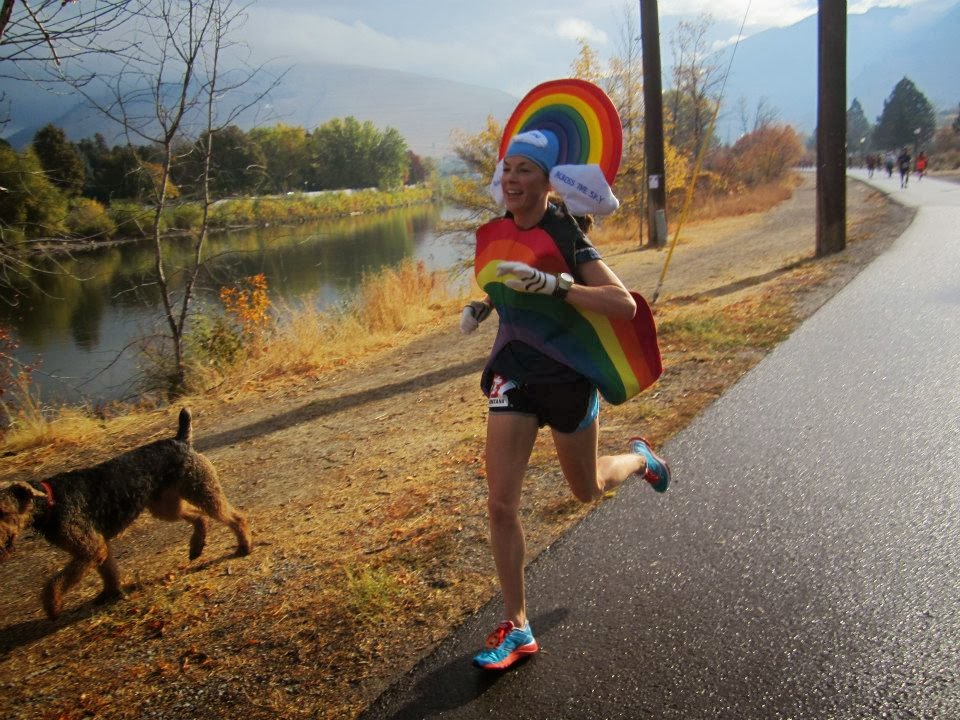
(956, 123)
(858, 128)
(113, 172)
(60, 159)
(907, 118)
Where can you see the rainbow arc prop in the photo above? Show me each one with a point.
(587, 126)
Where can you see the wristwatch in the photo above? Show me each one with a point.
(564, 283)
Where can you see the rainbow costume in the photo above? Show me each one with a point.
(621, 357)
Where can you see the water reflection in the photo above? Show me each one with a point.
(81, 314)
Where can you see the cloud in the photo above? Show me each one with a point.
(575, 28)
(308, 37)
(763, 14)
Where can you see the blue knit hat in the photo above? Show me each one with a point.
(540, 146)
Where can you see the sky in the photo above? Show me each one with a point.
(503, 44)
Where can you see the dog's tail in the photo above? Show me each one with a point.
(184, 433)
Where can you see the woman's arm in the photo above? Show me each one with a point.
(603, 292)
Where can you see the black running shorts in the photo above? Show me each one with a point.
(565, 407)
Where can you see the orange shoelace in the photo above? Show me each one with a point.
(495, 638)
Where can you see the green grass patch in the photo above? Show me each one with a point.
(372, 594)
(713, 330)
(758, 322)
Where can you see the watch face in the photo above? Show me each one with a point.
(565, 280)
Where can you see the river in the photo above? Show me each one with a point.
(81, 316)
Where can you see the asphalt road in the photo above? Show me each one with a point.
(805, 562)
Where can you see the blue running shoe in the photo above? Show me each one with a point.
(505, 645)
(658, 471)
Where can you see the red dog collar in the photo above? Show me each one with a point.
(49, 491)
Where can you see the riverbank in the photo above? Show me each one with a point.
(127, 222)
(365, 489)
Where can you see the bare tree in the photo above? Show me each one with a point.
(764, 115)
(51, 31)
(625, 87)
(177, 87)
(694, 97)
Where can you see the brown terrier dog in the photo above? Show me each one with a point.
(82, 510)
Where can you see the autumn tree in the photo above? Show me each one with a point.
(907, 118)
(587, 65)
(469, 190)
(764, 155)
(419, 169)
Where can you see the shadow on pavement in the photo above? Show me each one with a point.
(456, 683)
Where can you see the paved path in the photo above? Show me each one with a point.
(806, 561)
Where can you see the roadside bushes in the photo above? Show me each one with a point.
(759, 157)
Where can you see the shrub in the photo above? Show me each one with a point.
(131, 219)
(764, 155)
(220, 342)
(89, 218)
(270, 211)
(184, 217)
(214, 342)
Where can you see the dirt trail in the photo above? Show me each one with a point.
(377, 465)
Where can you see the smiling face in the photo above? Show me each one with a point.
(525, 188)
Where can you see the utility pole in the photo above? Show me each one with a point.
(653, 124)
(832, 128)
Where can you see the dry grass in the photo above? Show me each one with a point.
(391, 304)
(624, 234)
(743, 202)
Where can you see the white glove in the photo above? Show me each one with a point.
(472, 315)
(528, 279)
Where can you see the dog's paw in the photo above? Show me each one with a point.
(106, 597)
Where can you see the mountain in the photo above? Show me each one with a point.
(424, 110)
(884, 45)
